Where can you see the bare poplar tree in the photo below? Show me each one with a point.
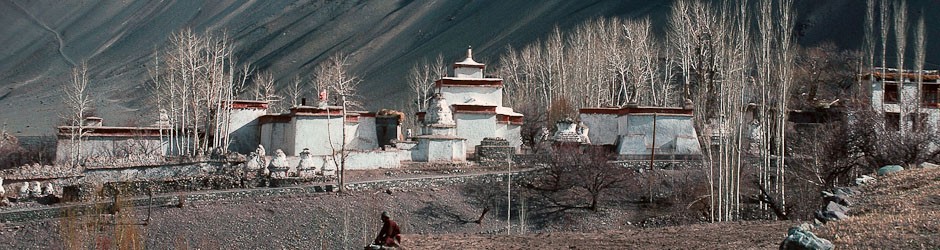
(870, 43)
(785, 21)
(900, 35)
(765, 60)
(333, 75)
(682, 39)
(295, 91)
(194, 80)
(421, 79)
(78, 102)
(885, 26)
(920, 54)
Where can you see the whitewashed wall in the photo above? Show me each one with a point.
(514, 136)
(105, 146)
(468, 72)
(477, 95)
(602, 128)
(438, 150)
(312, 133)
(245, 132)
(674, 135)
(475, 127)
(275, 136)
(366, 137)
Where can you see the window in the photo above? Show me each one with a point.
(892, 121)
(930, 95)
(891, 93)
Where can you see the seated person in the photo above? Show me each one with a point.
(389, 236)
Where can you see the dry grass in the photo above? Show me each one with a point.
(111, 225)
(900, 211)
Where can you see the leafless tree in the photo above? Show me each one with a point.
(333, 76)
(920, 54)
(78, 102)
(885, 26)
(421, 80)
(264, 87)
(578, 179)
(295, 91)
(870, 44)
(785, 21)
(194, 80)
(900, 35)
(682, 37)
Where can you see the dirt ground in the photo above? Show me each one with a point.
(728, 235)
(431, 218)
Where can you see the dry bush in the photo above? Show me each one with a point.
(14, 153)
(485, 196)
(578, 179)
(681, 192)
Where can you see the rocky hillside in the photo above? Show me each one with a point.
(41, 40)
(899, 211)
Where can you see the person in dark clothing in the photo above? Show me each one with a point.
(390, 234)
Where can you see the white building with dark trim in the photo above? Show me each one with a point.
(476, 102)
(895, 95)
(635, 132)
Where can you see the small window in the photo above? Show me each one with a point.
(892, 121)
(930, 95)
(891, 93)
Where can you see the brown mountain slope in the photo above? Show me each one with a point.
(41, 40)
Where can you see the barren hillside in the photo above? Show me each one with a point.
(42, 40)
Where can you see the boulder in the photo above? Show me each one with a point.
(928, 165)
(827, 216)
(889, 169)
(844, 191)
(801, 238)
(864, 180)
(836, 207)
(840, 199)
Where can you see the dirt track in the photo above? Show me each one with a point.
(729, 235)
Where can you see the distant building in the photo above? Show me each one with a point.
(370, 140)
(477, 104)
(99, 140)
(897, 98)
(629, 130)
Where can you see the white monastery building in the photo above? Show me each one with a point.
(636, 132)
(465, 109)
(476, 102)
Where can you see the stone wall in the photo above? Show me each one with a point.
(494, 151)
(165, 200)
(429, 182)
(641, 165)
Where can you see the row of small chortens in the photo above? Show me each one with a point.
(35, 190)
(279, 167)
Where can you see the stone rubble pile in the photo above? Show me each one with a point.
(838, 203)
